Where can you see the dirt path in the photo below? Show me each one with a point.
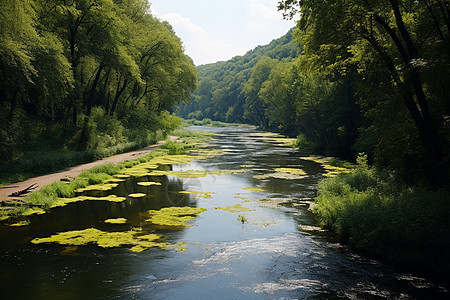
(40, 181)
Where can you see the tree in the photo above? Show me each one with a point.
(396, 37)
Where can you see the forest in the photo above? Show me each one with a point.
(367, 82)
(361, 86)
(83, 79)
(360, 76)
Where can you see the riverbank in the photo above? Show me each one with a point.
(377, 216)
(48, 188)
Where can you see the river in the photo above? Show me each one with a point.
(267, 247)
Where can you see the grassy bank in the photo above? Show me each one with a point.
(39, 162)
(374, 214)
(39, 201)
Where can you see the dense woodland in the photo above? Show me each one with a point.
(371, 76)
(87, 74)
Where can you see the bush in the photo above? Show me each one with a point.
(408, 226)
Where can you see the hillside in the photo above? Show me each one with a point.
(221, 95)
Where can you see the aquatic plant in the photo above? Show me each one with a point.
(104, 239)
(21, 223)
(116, 221)
(137, 195)
(331, 166)
(64, 201)
(174, 217)
(149, 183)
(254, 189)
(204, 195)
(242, 219)
(234, 209)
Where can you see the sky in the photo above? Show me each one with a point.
(217, 30)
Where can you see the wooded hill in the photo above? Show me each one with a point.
(223, 86)
(372, 78)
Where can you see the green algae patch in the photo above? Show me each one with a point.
(98, 187)
(104, 239)
(64, 201)
(284, 173)
(137, 195)
(175, 159)
(20, 224)
(204, 195)
(192, 174)
(254, 189)
(116, 221)
(234, 209)
(33, 211)
(115, 180)
(324, 162)
(150, 183)
(174, 217)
(122, 176)
(291, 171)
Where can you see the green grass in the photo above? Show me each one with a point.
(376, 215)
(35, 163)
(49, 194)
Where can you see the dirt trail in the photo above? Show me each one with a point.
(40, 181)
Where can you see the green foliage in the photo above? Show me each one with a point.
(227, 91)
(105, 73)
(377, 215)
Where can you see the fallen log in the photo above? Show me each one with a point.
(24, 191)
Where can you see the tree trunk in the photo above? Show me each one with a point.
(90, 99)
(119, 92)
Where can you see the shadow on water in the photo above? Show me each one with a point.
(249, 244)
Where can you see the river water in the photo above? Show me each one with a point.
(271, 250)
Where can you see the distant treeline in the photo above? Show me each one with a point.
(361, 76)
(87, 74)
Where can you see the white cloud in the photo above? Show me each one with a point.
(200, 44)
(263, 16)
(214, 31)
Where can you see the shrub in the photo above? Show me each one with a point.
(379, 216)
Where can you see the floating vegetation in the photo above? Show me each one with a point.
(204, 195)
(149, 183)
(98, 187)
(325, 163)
(116, 221)
(284, 173)
(242, 219)
(234, 209)
(137, 195)
(104, 239)
(20, 223)
(122, 176)
(207, 152)
(275, 202)
(181, 247)
(254, 189)
(291, 171)
(64, 201)
(115, 180)
(174, 217)
(33, 211)
(191, 174)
